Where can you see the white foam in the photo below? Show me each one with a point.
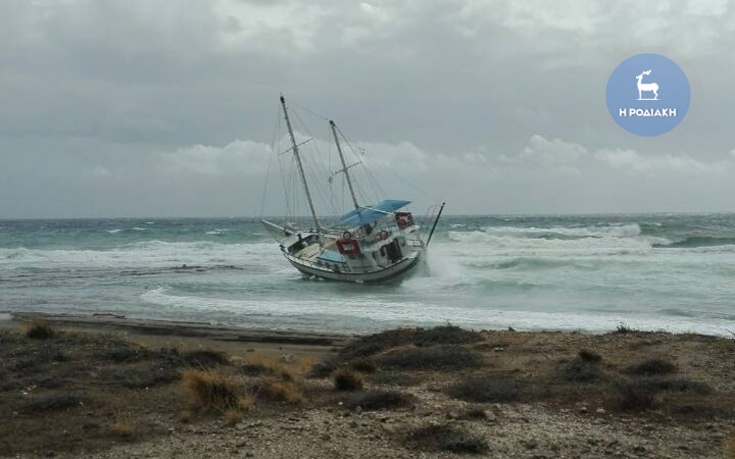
(622, 231)
(418, 312)
(145, 254)
(114, 231)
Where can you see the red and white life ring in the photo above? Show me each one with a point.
(346, 235)
(383, 235)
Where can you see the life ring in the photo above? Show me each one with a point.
(383, 235)
(346, 235)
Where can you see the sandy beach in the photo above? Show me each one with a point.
(111, 387)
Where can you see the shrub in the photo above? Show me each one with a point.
(487, 389)
(280, 391)
(449, 438)
(624, 329)
(378, 400)
(53, 402)
(373, 344)
(589, 356)
(442, 357)
(210, 389)
(246, 402)
(445, 334)
(474, 412)
(651, 367)
(122, 430)
(730, 446)
(39, 330)
(126, 354)
(205, 358)
(364, 365)
(669, 384)
(346, 380)
(635, 396)
(140, 378)
(233, 416)
(580, 370)
(324, 368)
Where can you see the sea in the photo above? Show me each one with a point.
(592, 273)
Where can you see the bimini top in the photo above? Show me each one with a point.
(368, 214)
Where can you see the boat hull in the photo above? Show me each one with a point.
(392, 273)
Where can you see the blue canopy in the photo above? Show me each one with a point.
(368, 214)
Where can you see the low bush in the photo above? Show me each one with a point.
(366, 365)
(141, 378)
(450, 438)
(210, 389)
(204, 358)
(122, 430)
(53, 402)
(651, 367)
(441, 357)
(635, 396)
(346, 380)
(279, 391)
(445, 334)
(487, 389)
(580, 370)
(589, 356)
(378, 400)
(39, 330)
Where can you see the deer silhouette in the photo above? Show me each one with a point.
(646, 86)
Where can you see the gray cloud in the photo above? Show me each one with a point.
(167, 108)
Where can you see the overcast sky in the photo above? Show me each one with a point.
(167, 107)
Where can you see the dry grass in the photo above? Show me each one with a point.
(487, 389)
(346, 380)
(39, 330)
(246, 402)
(378, 400)
(730, 446)
(234, 416)
(441, 357)
(446, 437)
(122, 430)
(210, 389)
(280, 391)
(185, 416)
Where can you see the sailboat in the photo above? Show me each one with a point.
(379, 242)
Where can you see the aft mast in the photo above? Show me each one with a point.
(295, 149)
(344, 164)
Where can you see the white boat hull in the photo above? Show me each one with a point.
(392, 273)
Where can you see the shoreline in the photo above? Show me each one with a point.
(157, 327)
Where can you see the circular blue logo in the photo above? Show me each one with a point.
(648, 94)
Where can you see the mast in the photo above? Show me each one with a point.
(344, 165)
(295, 149)
(438, 216)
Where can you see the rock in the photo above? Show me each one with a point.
(511, 329)
(452, 415)
(600, 411)
(639, 449)
(498, 349)
(583, 409)
(358, 409)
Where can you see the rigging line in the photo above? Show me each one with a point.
(403, 179)
(376, 189)
(270, 161)
(291, 102)
(318, 168)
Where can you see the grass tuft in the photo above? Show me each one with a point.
(378, 400)
(589, 356)
(487, 389)
(281, 391)
(210, 389)
(580, 370)
(441, 357)
(53, 402)
(346, 380)
(450, 438)
(233, 416)
(39, 330)
(651, 367)
(122, 430)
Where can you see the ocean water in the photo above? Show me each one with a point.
(664, 271)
